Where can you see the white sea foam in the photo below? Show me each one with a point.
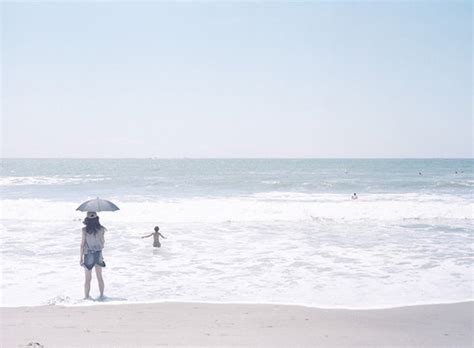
(258, 207)
(271, 182)
(321, 250)
(49, 180)
(318, 263)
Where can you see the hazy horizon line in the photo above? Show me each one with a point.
(238, 158)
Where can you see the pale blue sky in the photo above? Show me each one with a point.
(320, 79)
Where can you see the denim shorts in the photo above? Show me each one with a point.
(93, 258)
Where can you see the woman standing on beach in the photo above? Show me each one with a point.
(91, 252)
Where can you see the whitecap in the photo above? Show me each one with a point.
(49, 180)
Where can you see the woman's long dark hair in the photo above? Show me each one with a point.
(92, 225)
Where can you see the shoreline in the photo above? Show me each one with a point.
(210, 324)
(121, 302)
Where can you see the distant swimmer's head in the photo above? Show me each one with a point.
(157, 228)
(355, 194)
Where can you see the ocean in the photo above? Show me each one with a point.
(242, 230)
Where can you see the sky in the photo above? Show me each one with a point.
(237, 79)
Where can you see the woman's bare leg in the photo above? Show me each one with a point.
(100, 280)
(87, 282)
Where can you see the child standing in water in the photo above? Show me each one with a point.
(156, 237)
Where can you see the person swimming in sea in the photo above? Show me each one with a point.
(156, 237)
(354, 196)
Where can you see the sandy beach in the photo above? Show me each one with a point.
(202, 324)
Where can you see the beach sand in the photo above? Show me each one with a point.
(204, 324)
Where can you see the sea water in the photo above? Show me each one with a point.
(255, 231)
